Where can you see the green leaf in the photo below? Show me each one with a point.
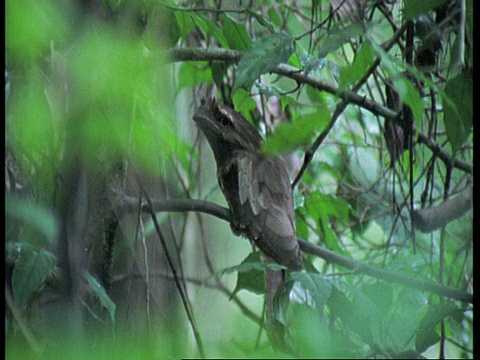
(13, 249)
(243, 102)
(323, 207)
(350, 75)
(194, 74)
(417, 7)
(262, 57)
(185, 22)
(335, 40)
(262, 20)
(458, 109)
(299, 133)
(251, 275)
(316, 288)
(324, 204)
(358, 314)
(99, 290)
(211, 29)
(124, 102)
(409, 95)
(235, 32)
(427, 331)
(41, 219)
(30, 271)
(31, 27)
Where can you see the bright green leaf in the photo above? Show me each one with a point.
(30, 28)
(323, 208)
(30, 125)
(194, 74)
(185, 22)
(243, 102)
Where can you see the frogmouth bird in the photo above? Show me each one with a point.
(257, 189)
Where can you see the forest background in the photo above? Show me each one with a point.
(117, 243)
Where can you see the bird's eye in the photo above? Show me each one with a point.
(225, 121)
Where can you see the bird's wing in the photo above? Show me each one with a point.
(263, 206)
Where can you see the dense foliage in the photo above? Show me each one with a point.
(108, 252)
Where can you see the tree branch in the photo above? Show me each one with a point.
(309, 248)
(427, 220)
(233, 56)
(385, 275)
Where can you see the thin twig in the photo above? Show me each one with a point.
(181, 290)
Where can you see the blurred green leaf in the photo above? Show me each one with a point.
(106, 65)
(99, 290)
(30, 27)
(13, 250)
(193, 74)
(34, 215)
(124, 98)
(235, 32)
(30, 126)
(458, 109)
(297, 134)
(262, 57)
(29, 273)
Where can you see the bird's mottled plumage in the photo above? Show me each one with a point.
(256, 187)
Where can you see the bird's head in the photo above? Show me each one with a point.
(226, 130)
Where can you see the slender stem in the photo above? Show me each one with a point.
(181, 290)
